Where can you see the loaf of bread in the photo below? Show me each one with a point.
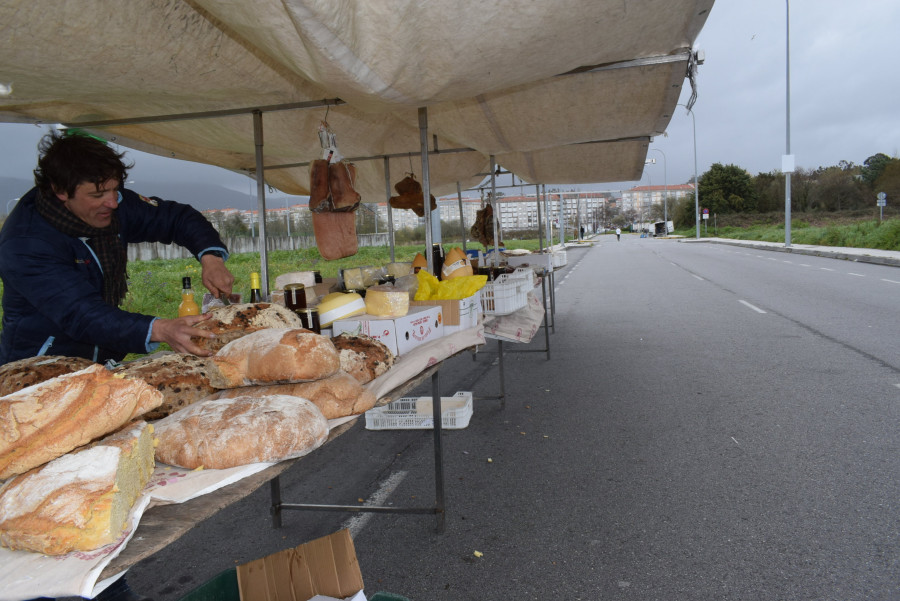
(44, 421)
(25, 372)
(79, 501)
(337, 396)
(363, 357)
(223, 433)
(182, 379)
(234, 321)
(275, 356)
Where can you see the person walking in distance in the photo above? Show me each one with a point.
(618, 234)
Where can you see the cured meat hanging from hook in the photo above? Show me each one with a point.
(483, 228)
(319, 191)
(341, 179)
(410, 196)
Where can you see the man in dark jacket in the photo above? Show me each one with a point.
(63, 252)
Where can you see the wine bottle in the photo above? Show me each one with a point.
(255, 288)
(188, 305)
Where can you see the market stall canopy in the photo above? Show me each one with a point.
(567, 91)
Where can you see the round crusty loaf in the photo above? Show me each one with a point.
(339, 395)
(181, 378)
(275, 356)
(234, 321)
(363, 357)
(223, 433)
(25, 372)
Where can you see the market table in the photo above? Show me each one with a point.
(26, 575)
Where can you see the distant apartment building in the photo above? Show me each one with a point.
(515, 212)
(641, 198)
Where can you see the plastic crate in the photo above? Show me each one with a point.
(503, 295)
(417, 413)
(559, 258)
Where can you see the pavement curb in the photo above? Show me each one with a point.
(857, 255)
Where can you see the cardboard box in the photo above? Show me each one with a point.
(400, 334)
(325, 566)
(462, 312)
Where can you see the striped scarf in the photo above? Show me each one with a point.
(104, 241)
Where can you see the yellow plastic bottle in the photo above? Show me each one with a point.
(188, 305)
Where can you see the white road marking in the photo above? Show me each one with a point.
(859, 275)
(757, 309)
(891, 281)
(698, 277)
(771, 259)
(805, 265)
(358, 522)
(787, 261)
(826, 269)
(897, 385)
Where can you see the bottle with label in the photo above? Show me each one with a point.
(255, 288)
(188, 305)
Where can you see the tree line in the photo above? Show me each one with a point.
(725, 189)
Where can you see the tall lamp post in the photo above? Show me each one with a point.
(788, 160)
(665, 191)
(696, 181)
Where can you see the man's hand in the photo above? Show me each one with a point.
(215, 276)
(178, 332)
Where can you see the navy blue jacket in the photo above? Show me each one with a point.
(53, 285)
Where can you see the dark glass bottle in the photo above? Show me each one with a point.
(255, 288)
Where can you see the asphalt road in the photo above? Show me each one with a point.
(713, 423)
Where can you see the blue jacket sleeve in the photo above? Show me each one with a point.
(150, 219)
(57, 295)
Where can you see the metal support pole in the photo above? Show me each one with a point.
(537, 197)
(426, 186)
(275, 489)
(495, 206)
(696, 180)
(261, 203)
(438, 451)
(462, 217)
(387, 199)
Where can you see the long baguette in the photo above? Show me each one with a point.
(47, 420)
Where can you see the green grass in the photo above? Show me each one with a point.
(861, 234)
(155, 286)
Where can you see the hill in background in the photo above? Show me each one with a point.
(200, 196)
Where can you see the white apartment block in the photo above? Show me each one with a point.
(641, 198)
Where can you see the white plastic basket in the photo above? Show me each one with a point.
(559, 258)
(503, 295)
(417, 413)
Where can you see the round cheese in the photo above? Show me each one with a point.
(339, 305)
(386, 301)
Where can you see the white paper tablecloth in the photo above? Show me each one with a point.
(25, 575)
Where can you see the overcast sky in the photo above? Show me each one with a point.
(845, 97)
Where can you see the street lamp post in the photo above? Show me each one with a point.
(696, 181)
(788, 162)
(665, 191)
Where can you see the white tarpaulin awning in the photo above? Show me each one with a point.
(529, 82)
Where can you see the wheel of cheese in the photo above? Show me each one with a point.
(339, 305)
(386, 301)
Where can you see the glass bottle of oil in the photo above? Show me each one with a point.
(188, 305)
